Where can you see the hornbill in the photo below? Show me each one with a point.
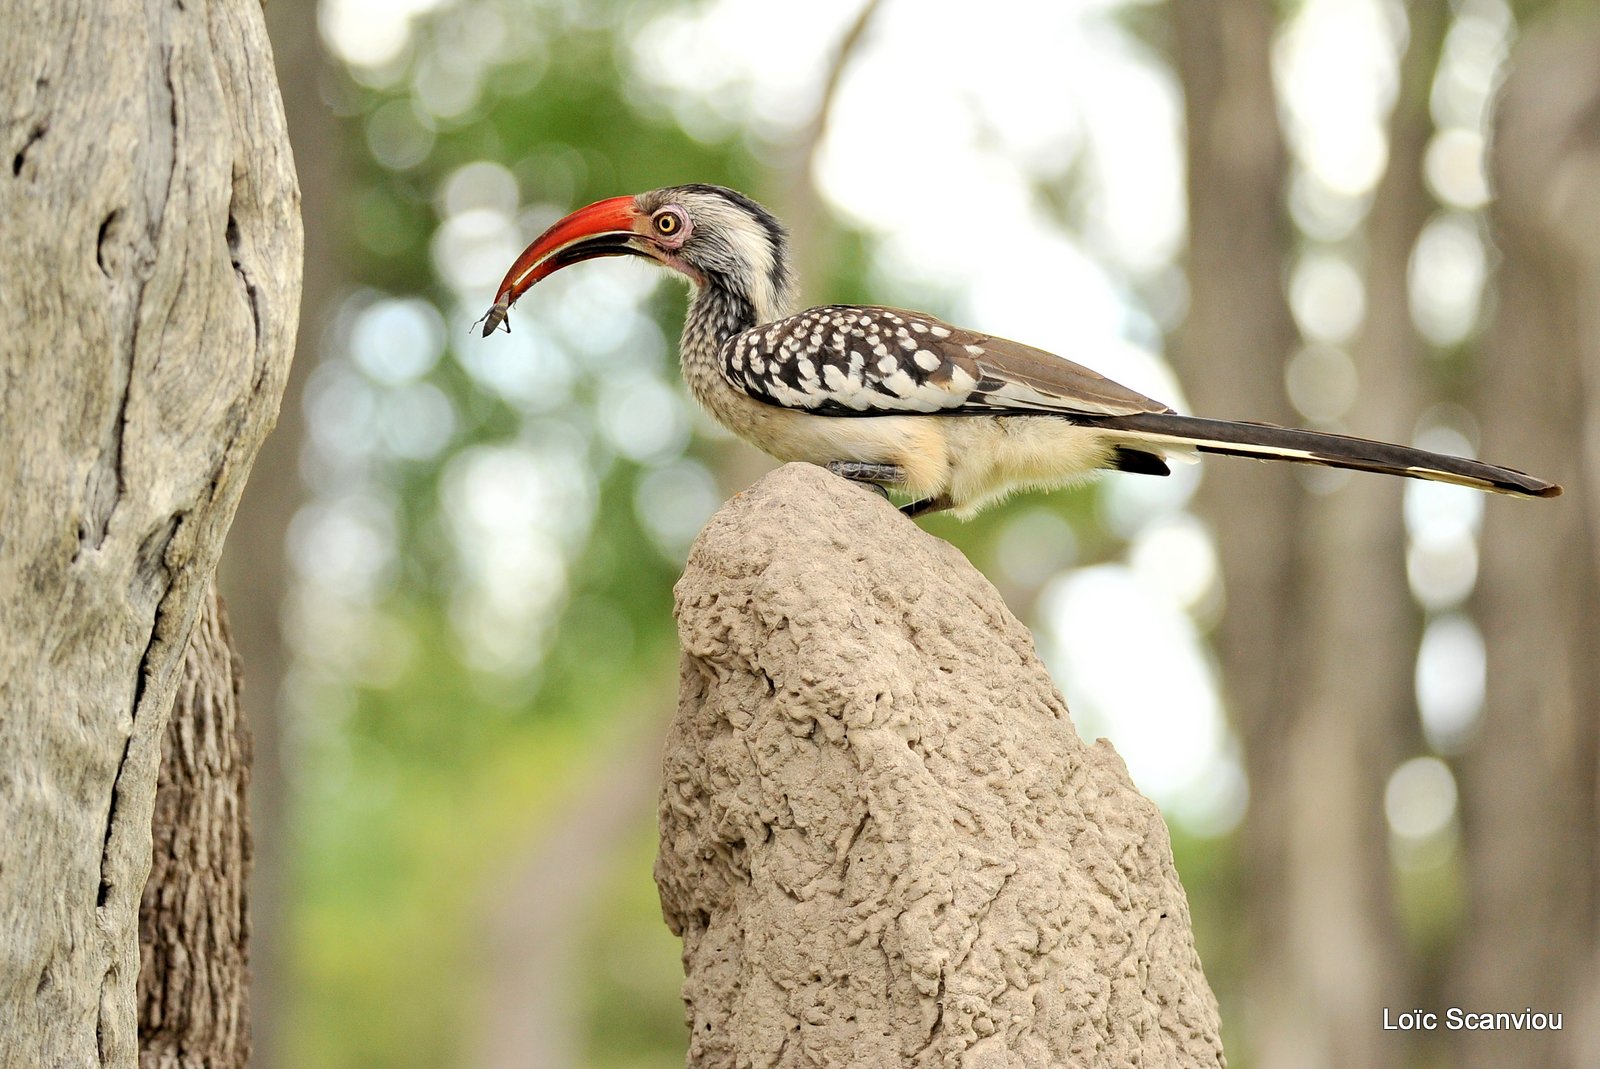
(885, 396)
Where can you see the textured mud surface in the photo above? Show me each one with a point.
(883, 842)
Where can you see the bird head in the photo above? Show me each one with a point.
(716, 238)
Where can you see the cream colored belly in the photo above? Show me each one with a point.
(973, 460)
(914, 443)
(1001, 455)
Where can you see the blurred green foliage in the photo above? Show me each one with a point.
(426, 779)
(424, 782)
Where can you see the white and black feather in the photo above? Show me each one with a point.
(848, 360)
(844, 360)
(742, 355)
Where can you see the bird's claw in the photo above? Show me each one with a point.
(926, 506)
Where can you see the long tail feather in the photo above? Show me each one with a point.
(1268, 442)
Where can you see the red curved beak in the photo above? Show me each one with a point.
(604, 228)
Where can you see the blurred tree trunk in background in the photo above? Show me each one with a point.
(1230, 352)
(1351, 713)
(1319, 637)
(813, 231)
(254, 570)
(1239, 333)
(1529, 784)
(542, 905)
(194, 1008)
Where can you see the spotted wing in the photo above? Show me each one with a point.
(843, 360)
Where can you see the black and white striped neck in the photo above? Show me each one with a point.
(719, 311)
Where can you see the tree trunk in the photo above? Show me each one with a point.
(194, 1010)
(254, 575)
(1530, 786)
(148, 297)
(882, 841)
(531, 1009)
(1237, 337)
(1314, 585)
(1230, 352)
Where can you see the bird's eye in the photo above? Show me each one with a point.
(667, 223)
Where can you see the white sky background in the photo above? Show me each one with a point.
(945, 117)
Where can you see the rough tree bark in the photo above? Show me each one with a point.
(194, 1010)
(148, 295)
(881, 839)
(1530, 785)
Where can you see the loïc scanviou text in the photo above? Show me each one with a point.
(1456, 1019)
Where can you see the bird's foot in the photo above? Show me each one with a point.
(873, 475)
(926, 506)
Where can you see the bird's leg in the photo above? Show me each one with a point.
(926, 505)
(873, 475)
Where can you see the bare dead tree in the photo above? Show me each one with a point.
(148, 295)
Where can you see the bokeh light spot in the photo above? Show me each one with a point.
(1420, 798)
